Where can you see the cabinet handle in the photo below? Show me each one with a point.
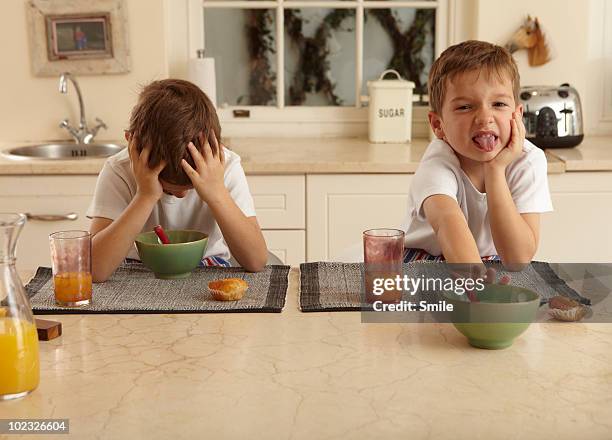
(52, 218)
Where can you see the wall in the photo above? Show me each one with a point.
(31, 107)
(567, 24)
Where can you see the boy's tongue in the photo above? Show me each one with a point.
(486, 142)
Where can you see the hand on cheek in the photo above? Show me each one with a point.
(514, 147)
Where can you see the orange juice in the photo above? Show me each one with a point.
(73, 288)
(19, 367)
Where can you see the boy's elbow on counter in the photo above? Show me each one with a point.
(99, 276)
(517, 262)
(255, 263)
(98, 279)
(254, 266)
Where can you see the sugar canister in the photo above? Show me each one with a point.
(390, 109)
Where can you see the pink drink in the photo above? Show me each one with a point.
(383, 251)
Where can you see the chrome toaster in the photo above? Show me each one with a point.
(552, 116)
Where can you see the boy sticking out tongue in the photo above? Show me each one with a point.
(480, 187)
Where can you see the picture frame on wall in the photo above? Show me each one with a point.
(78, 36)
(74, 37)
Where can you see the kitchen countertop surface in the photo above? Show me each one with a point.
(317, 375)
(594, 154)
(283, 156)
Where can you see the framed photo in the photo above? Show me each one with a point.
(78, 36)
(72, 37)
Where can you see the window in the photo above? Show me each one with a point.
(310, 60)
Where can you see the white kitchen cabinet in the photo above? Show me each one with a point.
(289, 246)
(580, 228)
(316, 217)
(341, 206)
(279, 202)
(44, 196)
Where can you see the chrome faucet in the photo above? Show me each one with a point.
(82, 134)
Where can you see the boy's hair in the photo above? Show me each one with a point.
(468, 56)
(169, 114)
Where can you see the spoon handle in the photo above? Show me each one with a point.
(161, 234)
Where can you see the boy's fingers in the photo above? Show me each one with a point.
(132, 151)
(490, 275)
(144, 155)
(522, 126)
(519, 125)
(221, 154)
(216, 150)
(208, 154)
(160, 167)
(198, 160)
(191, 173)
(515, 134)
(133, 148)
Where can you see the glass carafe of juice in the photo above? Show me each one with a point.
(19, 366)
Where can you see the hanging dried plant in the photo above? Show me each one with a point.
(262, 82)
(313, 73)
(313, 70)
(407, 46)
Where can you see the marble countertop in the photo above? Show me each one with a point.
(279, 156)
(594, 154)
(317, 375)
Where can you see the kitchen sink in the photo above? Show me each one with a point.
(62, 150)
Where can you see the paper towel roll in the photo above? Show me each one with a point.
(202, 73)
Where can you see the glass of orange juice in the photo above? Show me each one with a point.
(71, 261)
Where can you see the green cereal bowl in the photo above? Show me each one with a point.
(175, 260)
(502, 313)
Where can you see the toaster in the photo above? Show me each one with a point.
(552, 116)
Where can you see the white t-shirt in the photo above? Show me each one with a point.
(440, 173)
(116, 187)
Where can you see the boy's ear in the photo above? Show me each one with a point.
(435, 122)
(519, 109)
(127, 135)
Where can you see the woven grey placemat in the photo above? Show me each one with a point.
(134, 289)
(328, 286)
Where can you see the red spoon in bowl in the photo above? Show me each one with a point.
(161, 234)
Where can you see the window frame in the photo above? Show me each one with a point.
(314, 120)
(601, 46)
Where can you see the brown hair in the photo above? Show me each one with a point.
(467, 56)
(169, 114)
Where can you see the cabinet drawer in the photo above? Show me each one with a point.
(289, 246)
(33, 244)
(279, 201)
(47, 185)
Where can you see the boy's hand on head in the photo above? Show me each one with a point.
(147, 179)
(207, 177)
(513, 150)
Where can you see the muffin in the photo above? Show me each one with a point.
(228, 289)
(565, 309)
